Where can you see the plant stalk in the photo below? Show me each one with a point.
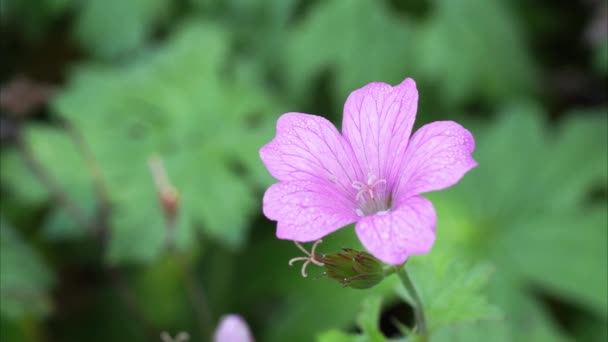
(421, 327)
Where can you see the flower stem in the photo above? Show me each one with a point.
(418, 308)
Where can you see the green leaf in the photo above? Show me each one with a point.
(206, 126)
(21, 183)
(369, 317)
(132, 23)
(358, 41)
(24, 278)
(58, 156)
(451, 293)
(337, 336)
(557, 258)
(368, 322)
(483, 54)
(526, 208)
(495, 331)
(525, 318)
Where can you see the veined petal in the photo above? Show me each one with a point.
(438, 155)
(309, 147)
(378, 120)
(307, 210)
(407, 229)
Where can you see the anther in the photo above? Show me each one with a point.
(310, 257)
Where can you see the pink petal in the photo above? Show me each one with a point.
(232, 328)
(407, 229)
(378, 120)
(307, 210)
(309, 147)
(438, 155)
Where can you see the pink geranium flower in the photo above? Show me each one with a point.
(372, 174)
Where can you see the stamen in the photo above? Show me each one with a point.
(370, 199)
(358, 185)
(310, 257)
(368, 188)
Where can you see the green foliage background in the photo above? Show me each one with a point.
(522, 249)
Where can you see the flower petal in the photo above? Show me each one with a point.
(307, 210)
(309, 147)
(407, 229)
(378, 120)
(438, 155)
(232, 328)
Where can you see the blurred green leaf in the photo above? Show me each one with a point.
(205, 125)
(337, 336)
(54, 151)
(21, 183)
(24, 278)
(525, 317)
(367, 321)
(451, 292)
(474, 48)
(58, 154)
(132, 24)
(561, 251)
(482, 331)
(358, 42)
(369, 317)
(526, 208)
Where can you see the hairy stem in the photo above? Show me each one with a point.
(418, 307)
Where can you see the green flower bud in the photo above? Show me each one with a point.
(356, 269)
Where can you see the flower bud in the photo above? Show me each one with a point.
(356, 269)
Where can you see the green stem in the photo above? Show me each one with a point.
(418, 307)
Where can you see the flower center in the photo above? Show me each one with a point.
(371, 196)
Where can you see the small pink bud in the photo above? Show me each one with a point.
(232, 328)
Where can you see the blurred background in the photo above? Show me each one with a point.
(131, 185)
